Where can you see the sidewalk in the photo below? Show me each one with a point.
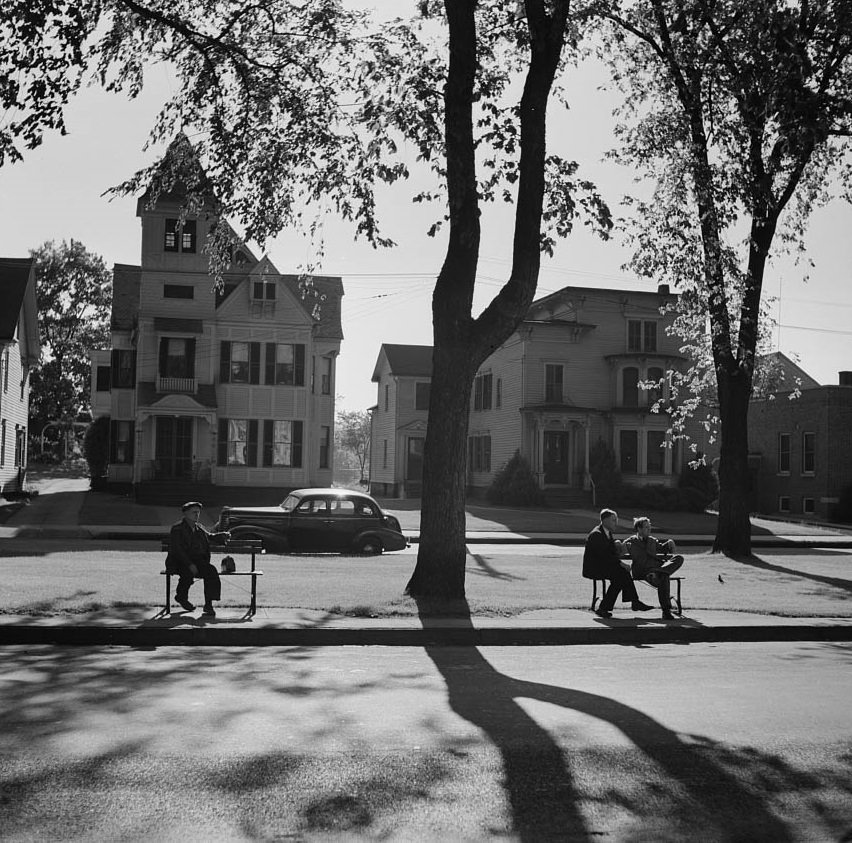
(76, 513)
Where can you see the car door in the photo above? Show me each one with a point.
(310, 524)
(344, 524)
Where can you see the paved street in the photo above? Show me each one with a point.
(705, 742)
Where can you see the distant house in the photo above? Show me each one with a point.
(571, 376)
(403, 374)
(801, 447)
(227, 388)
(20, 349)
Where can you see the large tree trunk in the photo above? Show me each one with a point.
(733, 528)
(462, 343)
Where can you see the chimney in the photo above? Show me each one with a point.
(663, 289)
(846, 378)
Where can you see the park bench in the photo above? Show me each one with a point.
(243, 547)
(677, 605)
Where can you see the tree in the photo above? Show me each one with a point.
(74, 294)
(294, 106)
(352, 430)
(738, 111)
(96, 449)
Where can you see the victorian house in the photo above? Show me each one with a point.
(204, 387)
(577, 371)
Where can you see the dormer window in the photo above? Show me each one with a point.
(180, 238)
(263, 290)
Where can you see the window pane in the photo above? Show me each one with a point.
(239, 362)
(634, 335)
(237, 437)
(650, 336)
(630, 387)
(553, 384)
(284, 364)
(629, 447)
(656, 455)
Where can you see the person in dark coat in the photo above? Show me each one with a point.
(654, 561)
(601, 560)
(189, 558)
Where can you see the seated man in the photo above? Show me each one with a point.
(189, 557)
(601, 561)
(653, 560)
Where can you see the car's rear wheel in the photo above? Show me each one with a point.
(369, 546)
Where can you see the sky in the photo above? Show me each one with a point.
(56, 194)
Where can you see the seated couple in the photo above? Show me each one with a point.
(650, 560)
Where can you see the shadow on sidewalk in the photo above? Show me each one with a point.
(543, 793)
(756, 562)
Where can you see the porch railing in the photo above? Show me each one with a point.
(188, 385)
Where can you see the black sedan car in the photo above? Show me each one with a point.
(317, 520)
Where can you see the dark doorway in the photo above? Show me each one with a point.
(556, 461)
(174, 448)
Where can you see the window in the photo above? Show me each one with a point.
(630, 387)
(784, 503)
(263, 290)
(808, 506)
(179, 238)
(178, 291)
(102, 379)
(628, 441)
(325, 446)
(482, 392)
(783, 453)
(480, 453)
(20, 445)
(121, 442)
(123, 375)
(808, 453)
(498, 397)
(325, 377)
(23, 384)
(553, 383)
(237, 443)
(285, 364)
(421, 396)
(177, 357)
(641, 335)
(655, 458)
(282, 443)
(3, 442)
(239, 362)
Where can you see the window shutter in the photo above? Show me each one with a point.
(267, 441)
(130, 442)
(190, 357)
(251, 455)
(225, 363)
(270, 362)
(297, 444)
(163, 357)
(222, 444)
(299, 364)
(254, 362)
(114, 365)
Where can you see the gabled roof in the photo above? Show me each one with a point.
(18, 295)
(325, 307)
(126, 281)
(779, 373)
(405, 360)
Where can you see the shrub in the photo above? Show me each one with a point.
(605, 473)
(96, 449)
(699, 485)
(515, 485)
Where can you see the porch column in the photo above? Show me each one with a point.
(586, 473)
(539, 461)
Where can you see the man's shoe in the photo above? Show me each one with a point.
(668, 616)
(602, 613)
(184, 604)
(639, 606)
(208, 611)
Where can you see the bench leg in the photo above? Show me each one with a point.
(676, 600)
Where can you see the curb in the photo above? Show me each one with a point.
(84, 636)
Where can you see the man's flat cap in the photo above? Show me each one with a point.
(190, 505)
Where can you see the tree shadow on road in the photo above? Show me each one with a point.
(541, 783)
(754, 561)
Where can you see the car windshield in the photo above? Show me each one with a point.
(290, 503)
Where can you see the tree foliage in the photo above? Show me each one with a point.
(352, 429)
(738, 113)
(74, 294)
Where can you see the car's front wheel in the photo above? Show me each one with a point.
(369, 546)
